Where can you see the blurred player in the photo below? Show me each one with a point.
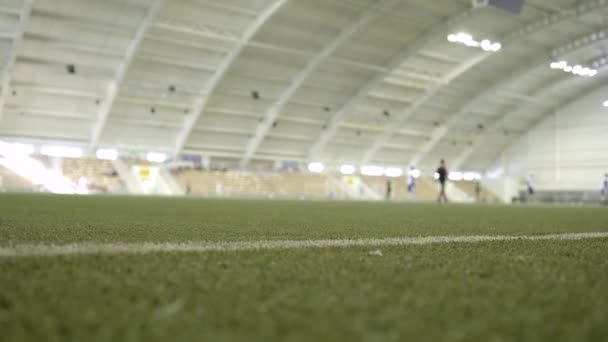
(389, 190)
(604, 191)
(478, 190)
(530, 185)
(443, 177)
(411, 183)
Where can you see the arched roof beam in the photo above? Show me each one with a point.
(537, 26)
(410, 51)
(112, 90)
(200, 104)
(274, 111)
(439, 133)
(7, 72)
(483, 138)
(566, 102)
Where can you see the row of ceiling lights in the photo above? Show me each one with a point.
(576, 69)
(368, 170)
(70, 152)
(467, 39)
(14, 149)
(487, 45)
(378, 171)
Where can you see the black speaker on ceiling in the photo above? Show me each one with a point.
(511, 6)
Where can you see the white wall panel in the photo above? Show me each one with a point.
(568, 150)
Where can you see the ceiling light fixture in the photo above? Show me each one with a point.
(156, 157)
(316, 167)
(578, 69)
(347, 169)
(61, 151)
(372, 170)
(467, 40)
(107, 154)
(7, 149)
(393, 172)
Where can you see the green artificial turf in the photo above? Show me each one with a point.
(488, 291)
(497, 291)
(64, 219)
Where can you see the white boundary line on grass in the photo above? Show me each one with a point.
(201, 247)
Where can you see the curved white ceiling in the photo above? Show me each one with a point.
(359, 81)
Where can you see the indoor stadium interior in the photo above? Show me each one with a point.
(271, 170)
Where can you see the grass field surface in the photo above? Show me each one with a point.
(539, 288)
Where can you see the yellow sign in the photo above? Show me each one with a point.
(144, 172)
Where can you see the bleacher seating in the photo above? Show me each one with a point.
(97, 172)
(14, 183)
(485, 195)
(561, 197)
(425, 189)
(248, 184)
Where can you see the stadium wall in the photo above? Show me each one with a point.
(566, 151)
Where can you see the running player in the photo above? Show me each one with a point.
(604, 191)
(443, 177)
(411, 183)
(477, 190)
(530, 185)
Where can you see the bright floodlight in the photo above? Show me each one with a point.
(61, 151)
(486, 45)
(577, 69)
(393, 172)
(556, 65)
(471, 43)
(471, 176)
(496, 47)
(568, 68)
(464, 37)
(371, 170)
(592, 72)
(107, 154)
(347, 169)
(605, 104)
(16, 149)
(316, 167)
(452, 38)
(496, 173)
(34, 171)
(455, 176)
(156, 157)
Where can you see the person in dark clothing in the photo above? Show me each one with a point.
(411, 183)
(443, 177)
(389, 189)
(477, 190)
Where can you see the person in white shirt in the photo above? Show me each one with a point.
(604, 191)
(411, 183)
(530, 185)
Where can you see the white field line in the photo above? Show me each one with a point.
(201, 247)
